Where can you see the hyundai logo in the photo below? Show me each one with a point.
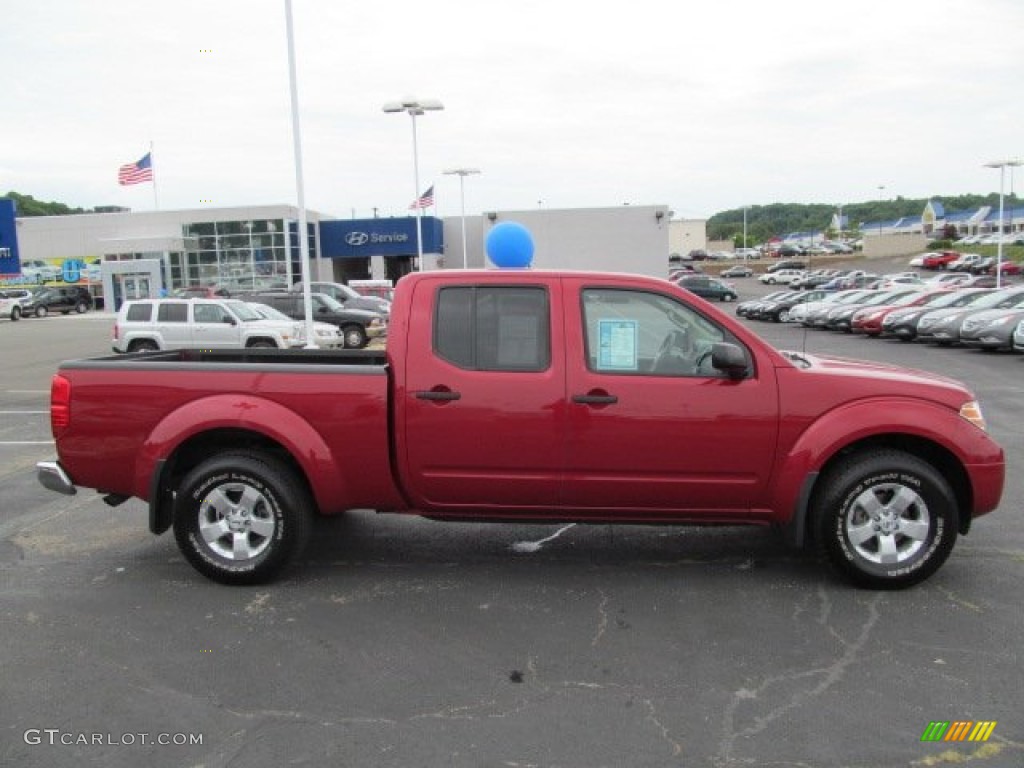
(357, 238)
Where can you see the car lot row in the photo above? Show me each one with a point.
(982, 318)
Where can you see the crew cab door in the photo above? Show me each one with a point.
(480, 414)
(652, 426)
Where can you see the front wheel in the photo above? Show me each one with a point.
(240, 518)
(41, 311)
(15, 314)
(885, 519)
(355, 337)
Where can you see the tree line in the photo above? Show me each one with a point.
(778, 219)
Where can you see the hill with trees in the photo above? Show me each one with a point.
(778, 219)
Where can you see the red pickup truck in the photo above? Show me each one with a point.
(532, 396)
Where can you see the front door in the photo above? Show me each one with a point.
(481, 413)
(651, 425)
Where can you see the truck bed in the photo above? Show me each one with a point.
(193, 359)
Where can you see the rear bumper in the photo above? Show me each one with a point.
(51, 475)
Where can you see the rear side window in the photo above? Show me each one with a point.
(493, 328)
(139, 313)
(172, 313)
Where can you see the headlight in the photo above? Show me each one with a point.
(972, 412)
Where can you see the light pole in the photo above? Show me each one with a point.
(745, 231)
(1002, 165)
(462, 173)
(414, 108)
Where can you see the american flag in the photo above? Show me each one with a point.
(425, 200)
(137, 172)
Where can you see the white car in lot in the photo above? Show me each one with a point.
(39, 271)
(145, 325)
(325, 334)
(781, 276)
(9, 307)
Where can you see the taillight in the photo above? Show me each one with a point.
(60, 403)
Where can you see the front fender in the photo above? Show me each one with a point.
(247, 412)
(889, 419)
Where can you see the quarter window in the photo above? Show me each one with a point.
(139, 313)
(493, 328)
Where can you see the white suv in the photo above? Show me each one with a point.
(157, 324)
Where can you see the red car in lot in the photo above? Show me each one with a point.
(869, 320)
(940, 260)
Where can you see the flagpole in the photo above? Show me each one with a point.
(152, 168)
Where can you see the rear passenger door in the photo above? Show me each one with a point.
(481, 414)
(172, 324)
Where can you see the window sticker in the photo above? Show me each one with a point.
(617, 343)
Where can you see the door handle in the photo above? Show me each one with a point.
(443, 395)
(595, 398)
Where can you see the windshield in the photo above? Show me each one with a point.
(998, 299)
(243, 311)
(269, 312)
(327, 301)
(957, 298)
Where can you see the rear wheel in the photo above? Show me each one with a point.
(81, 307)
(16, 314)
(885, 519)
(262, 344)
(240, 518)
(41, 311)
(143, 345)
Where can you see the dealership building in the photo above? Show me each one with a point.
(142, 254)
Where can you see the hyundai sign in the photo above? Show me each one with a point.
(10, 264)
(361, 238)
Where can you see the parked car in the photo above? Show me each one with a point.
(942, 326)
(738, 270)
(358, 326)
(1018, 337)
(868, 321)
(747, 308)
(783, 276)
(818, 316)
(778, 310)
(787, 264)
(991, 330)
(64, 299)
(348, 297)
(902, 323)
(10, 307)
(326, 335)
(841, 318)
(202, 292)
(707, 287)
(939, 260)
(145, 325)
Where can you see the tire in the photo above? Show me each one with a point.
(81, 307)
(15, 314)
(355, 336)
(41, 311)
(885, 519)
(143, 345)
(240, 518)
(262, 344)
(782, 316)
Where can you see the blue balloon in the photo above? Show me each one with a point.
(510, 245)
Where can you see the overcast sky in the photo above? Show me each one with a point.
(700, 106)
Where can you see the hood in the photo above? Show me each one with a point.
(881, 379)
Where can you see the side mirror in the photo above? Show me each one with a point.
(729, 358)
(229, 320)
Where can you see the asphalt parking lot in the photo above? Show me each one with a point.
(405, 642)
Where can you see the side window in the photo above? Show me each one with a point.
(493, 328)
(172, 312)
(636, 332)
(139, 313)
(210, 313)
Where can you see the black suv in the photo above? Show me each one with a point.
(358, 326)
(63, 299)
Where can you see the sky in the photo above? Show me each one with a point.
(701, 107)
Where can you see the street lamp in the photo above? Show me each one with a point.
(462, 173)
(414, 108)
(1002, 165)
(745, 230)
